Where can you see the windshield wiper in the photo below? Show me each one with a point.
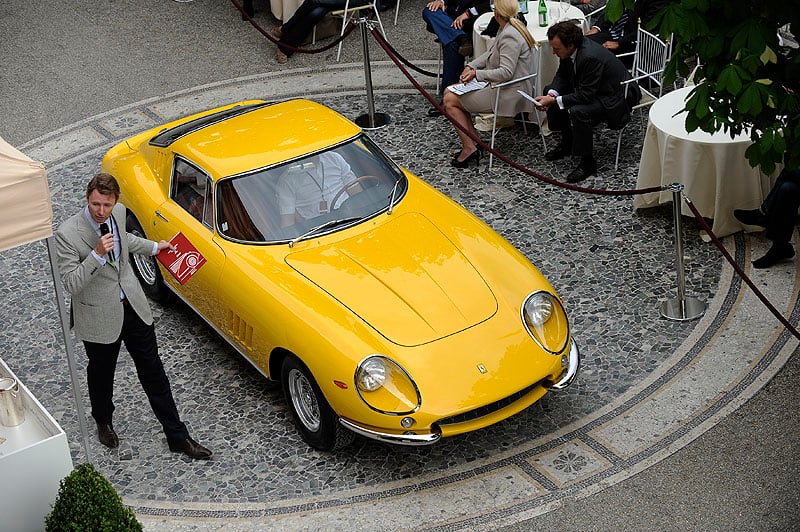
(320, 227)
(391, 198)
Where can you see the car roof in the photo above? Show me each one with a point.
(255, 136)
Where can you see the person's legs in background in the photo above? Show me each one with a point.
(469, 150)
(450, 38)
(781, 209)
(293, 32)
(778, 214)
(558, 120)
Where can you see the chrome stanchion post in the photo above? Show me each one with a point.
(371, 120)
(681, 308)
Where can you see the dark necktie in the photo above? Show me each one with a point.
(569, 65)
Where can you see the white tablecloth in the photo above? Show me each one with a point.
(545, 63)
(284, 9)
(712, 167)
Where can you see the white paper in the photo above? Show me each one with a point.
(531, 98)
(463, 88)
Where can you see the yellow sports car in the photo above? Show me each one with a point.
(383, 308)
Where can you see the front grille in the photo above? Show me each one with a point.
(485, 410)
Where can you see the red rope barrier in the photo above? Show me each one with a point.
(523, 169)
(399, 63)
(265, 33)
(738, 269)
(599, 191)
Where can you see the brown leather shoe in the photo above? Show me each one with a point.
(190, 448)
(107, 436)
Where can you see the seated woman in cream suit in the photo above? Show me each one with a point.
(508, 58)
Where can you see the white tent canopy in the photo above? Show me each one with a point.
(25, 211)
(26, 215)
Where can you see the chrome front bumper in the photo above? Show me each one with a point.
(568, 375)
(398, 439)
(564, 380)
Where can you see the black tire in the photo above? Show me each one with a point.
(316, 422)
(146, 267)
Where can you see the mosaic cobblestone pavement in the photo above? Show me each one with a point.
(647, 387)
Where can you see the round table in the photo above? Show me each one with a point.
(712, 167)
(545, 63)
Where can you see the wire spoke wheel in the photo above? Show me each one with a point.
(146, 268)
(304, 401)
(315, 420)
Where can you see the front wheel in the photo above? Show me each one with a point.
(146, 267)
(315, 420)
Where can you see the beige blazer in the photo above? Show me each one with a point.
(96, 309)
(508, 58)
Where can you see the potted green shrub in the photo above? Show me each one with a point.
(87, 501)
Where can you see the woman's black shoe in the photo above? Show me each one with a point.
(434, 111)
(456, 153)
(474, 156)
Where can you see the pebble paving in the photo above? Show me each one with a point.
(611, 265)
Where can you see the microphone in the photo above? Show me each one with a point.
(104, 231)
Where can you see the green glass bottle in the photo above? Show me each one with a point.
(542, 13)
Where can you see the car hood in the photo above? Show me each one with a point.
(404, 278)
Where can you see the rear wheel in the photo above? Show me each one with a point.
(315, 420)
(146, 267)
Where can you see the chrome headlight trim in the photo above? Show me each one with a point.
(555, 306)
(384, 360)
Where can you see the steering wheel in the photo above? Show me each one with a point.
(351, 184)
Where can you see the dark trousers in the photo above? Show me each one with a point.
(140, 340)
(576, 125)
(439, 23)
(781, 206)
(295, 30)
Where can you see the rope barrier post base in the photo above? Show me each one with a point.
(683, 307)
(370, 120)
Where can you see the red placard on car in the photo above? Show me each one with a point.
(183, 261)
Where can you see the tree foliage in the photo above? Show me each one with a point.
(748, 81)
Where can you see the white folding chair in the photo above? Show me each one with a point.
(438, 64)
(396, 11)
(348, 12)
(649, 61)
(521, 94)
(691, 79)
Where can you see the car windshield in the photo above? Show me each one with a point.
(349, 183)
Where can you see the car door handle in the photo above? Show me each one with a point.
(158, 213)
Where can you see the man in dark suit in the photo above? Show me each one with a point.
(452, 21)
(620, 36)
(587, 89)
(109, 307)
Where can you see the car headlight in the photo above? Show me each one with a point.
(386, 387)
(546, 321)
(371, 374)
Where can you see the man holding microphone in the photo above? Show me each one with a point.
(109, 307)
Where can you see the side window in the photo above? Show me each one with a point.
(208, 204)
(191, 189)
